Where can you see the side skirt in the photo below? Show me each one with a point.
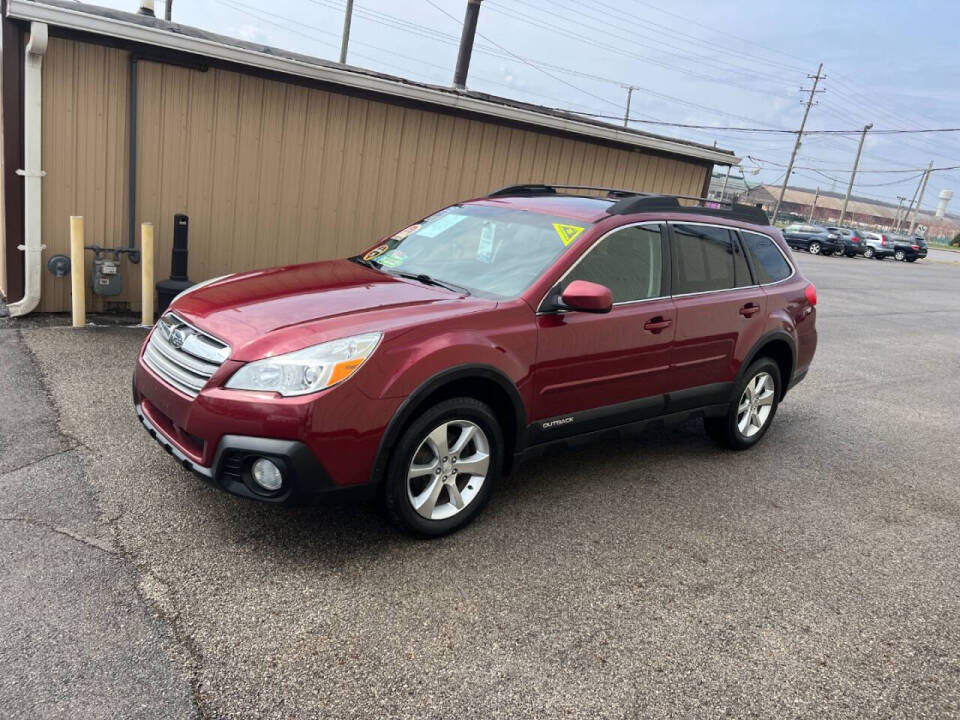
(704, 398)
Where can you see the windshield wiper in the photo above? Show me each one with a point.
(372, 264)
(427, 280)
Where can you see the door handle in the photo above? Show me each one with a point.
(749, 310)
(657, 324)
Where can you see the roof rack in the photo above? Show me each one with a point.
(632, 201)
(753, 214)
(539, 189)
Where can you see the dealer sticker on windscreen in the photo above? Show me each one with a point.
(445, 222)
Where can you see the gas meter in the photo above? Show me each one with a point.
(106, 278)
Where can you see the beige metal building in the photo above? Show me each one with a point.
(277, 158)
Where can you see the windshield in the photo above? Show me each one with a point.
(492, 251)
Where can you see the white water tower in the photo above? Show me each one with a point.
(945, 197)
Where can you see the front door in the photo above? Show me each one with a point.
(599, 370)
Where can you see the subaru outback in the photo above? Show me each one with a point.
(422, 368)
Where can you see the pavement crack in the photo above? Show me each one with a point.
(83, 539)
(40, 459)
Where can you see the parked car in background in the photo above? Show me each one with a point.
(815, 239)
(421, 367)
(909, 249)
(878, 245)
(852, 239)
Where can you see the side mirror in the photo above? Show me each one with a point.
(584, 296)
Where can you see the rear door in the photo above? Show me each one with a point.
(719, 309)
(596, 370)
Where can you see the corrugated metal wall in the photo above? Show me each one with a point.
(274, 173)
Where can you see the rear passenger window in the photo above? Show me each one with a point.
(768, 262)
(627, 261)
(706, 258)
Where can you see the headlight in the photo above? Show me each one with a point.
(308, 370)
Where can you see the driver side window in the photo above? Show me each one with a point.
(628, 261)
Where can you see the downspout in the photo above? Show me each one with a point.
(32, 148)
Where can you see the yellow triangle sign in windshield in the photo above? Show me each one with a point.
(567, 233)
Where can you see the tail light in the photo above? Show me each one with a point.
(883, 240)
(810, 292)
(915, 247)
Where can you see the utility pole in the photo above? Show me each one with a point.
(853, 174)
(629, 89)
(466, 44)
(796, 146)
(723, 190)
(910, 206)
(923, 187)
(348, 16)
(814, 206)
(167, 8)
(896, 218)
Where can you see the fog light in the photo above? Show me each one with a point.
(267, 475)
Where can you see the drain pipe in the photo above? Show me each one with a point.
(32, 134)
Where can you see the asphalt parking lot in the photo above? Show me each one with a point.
(647, 576)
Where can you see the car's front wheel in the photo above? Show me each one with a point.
(899, 255)
(444, 467)
(748, 417)
(868, 253)
(814, 248)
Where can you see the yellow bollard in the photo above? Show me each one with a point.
(77, 289)
(146, 273)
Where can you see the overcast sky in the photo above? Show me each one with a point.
(727, 63)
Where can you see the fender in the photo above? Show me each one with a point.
(405, 412)
(778, 334)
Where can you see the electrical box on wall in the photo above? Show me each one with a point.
(106, 278)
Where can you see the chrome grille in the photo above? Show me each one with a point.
(182, 355)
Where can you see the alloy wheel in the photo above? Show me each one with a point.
(814, 248)
(448, 469)
(756, 404)
(899, 255)
(868, 253)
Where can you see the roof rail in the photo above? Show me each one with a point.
(540, 189)
(640, 203)
(632, 201)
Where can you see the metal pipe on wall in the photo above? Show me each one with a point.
(31, 172)
(132, 157)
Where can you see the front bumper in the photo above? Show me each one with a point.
(325, 442)
(304, 478)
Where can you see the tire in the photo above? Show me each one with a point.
(729, 429)
(899, 255)
(421, 446)
(868, 253)
(814, 248)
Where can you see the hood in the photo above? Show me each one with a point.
(269, 312)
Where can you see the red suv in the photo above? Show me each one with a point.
(421, 368)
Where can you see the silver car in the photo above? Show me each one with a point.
(878, 245)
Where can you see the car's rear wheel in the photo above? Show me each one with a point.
(868, 253)
(814, 248)
(900, 255)
(444, 467)
(748, 418)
